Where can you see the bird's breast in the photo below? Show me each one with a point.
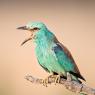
(45, 55)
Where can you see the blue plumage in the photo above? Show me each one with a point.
(51, 54)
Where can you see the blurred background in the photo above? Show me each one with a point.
(73, 22)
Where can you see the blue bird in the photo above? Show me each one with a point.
(52, 55)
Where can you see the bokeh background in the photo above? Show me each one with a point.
(73, 22)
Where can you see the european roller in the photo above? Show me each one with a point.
(52, 55)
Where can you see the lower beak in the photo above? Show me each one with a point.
(26, 40)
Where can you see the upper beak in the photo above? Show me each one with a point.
(23, 28)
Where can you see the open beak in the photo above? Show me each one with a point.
(28, 39)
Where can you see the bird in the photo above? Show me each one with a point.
(51, 54)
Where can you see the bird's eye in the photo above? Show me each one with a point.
(36, 28)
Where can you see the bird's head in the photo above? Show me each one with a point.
(33, 27)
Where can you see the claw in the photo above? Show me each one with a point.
(56, 78)
(45, 82)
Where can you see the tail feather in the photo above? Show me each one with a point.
(77, 75)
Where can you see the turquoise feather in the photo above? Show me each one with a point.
(51, 54)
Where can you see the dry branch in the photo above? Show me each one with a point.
(70, 85)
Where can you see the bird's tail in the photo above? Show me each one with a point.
(77, 75)
(76, 79)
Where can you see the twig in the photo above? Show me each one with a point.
(70, 85)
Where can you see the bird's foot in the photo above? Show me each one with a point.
(45, 81)
(57, 79)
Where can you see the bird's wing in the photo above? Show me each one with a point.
(69, 56)
(43, 66)
(65, 59)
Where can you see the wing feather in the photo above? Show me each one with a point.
(60, 47)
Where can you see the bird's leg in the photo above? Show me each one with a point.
(45, 81)
(69, 77)
(57, 79)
